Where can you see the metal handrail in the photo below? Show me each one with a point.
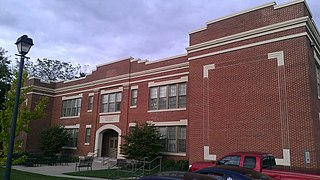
(135, 168)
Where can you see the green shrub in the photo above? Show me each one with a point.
(168, 165)
(182, 165)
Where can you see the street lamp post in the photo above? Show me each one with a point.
(23, 44)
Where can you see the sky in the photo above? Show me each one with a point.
(95, 32)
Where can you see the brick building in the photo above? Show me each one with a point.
(248, 82)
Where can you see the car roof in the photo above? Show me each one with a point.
(252, 153)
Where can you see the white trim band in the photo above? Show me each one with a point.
(77, 126)
(207, 155)
(277, 55)
(175, 81)
(71, 97)
(249, 45)
(120, 89)
(286, 158)
(183, 122)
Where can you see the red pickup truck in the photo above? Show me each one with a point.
(261, 162)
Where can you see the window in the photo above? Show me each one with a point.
(90, 104)
(318, 79)
(73, 137)
(154, 98)
(173, 138)
(182, 95)
(134, 95)
(87, 140)
(231, 160)
(111, 102)
(168, 96)
(268, 161)
(163, 97)
(249, 162)
(71, 107)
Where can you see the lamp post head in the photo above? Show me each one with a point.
(24, 44)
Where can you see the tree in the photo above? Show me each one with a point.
(53, 139)
(5, 77)
(54, 70)
(25, 115)
(142, 141)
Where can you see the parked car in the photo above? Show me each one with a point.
(225, 172)
(261, 162)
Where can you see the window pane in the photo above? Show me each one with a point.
(133, 101)
(87, 135)
(163, 103)
(172, 147)
(154, 92)
(134, 93)
(182, 89)
(104, 108)
(90, 103)
(118, 106)
(172, 132)
(181, 139)
(73, 138)
(182, 101)
(163, 132)
(112, 97)
(182, 133)
(172, 102)
(153, 104)
(181, 145)
(163, 91)
(105, 98)
(111, 107)
(119, 95)
(173, 90)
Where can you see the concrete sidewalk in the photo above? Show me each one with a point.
(58, 170)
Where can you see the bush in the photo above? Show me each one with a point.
(171, 165)
(182, 165)
(168, 165)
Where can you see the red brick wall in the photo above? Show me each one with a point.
(248, 21)
(241, 108)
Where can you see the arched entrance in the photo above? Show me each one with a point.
(109, 144)
(108, 140)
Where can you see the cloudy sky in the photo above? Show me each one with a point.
(93, 32)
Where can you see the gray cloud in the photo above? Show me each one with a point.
(97, 31)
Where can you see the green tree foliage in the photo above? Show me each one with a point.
(53, 139)
(53, 70)
(142, 141)
(25, 115)
(5, 77)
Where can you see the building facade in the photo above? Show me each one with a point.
(248, 82)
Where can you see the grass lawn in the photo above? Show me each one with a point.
(20, 175)
(107, 173)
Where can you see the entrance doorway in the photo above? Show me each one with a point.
(110, 144)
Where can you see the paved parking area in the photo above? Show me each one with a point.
(58, 170)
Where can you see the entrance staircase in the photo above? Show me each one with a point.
(106, 161)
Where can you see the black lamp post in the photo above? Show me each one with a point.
(23, 44)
